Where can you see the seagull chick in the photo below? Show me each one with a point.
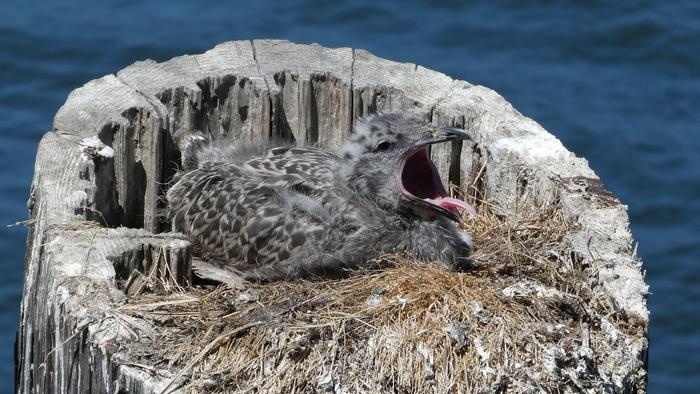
(300, 212)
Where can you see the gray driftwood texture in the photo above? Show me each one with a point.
(113, 142)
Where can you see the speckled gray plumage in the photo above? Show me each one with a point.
(291, 212)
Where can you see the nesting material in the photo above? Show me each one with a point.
(529, 317)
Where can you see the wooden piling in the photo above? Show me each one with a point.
(101, 173)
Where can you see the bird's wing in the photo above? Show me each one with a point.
(242, 218)
(312, 166)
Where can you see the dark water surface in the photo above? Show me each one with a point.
(618, 82)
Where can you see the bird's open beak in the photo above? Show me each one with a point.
(418, 178)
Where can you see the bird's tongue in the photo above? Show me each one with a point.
(451, 204)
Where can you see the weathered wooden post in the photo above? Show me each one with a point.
(96, 236)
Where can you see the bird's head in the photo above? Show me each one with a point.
(386, 159)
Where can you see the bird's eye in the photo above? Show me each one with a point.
(383, 145)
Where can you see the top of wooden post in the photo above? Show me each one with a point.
(262, 88)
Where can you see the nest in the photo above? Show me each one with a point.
(527, 318)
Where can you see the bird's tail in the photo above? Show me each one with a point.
(194, 144)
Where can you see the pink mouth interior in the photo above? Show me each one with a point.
(420, 178)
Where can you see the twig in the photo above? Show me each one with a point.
(206, 351)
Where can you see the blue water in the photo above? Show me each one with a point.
(617, 81)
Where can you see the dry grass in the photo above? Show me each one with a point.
(525, 319)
